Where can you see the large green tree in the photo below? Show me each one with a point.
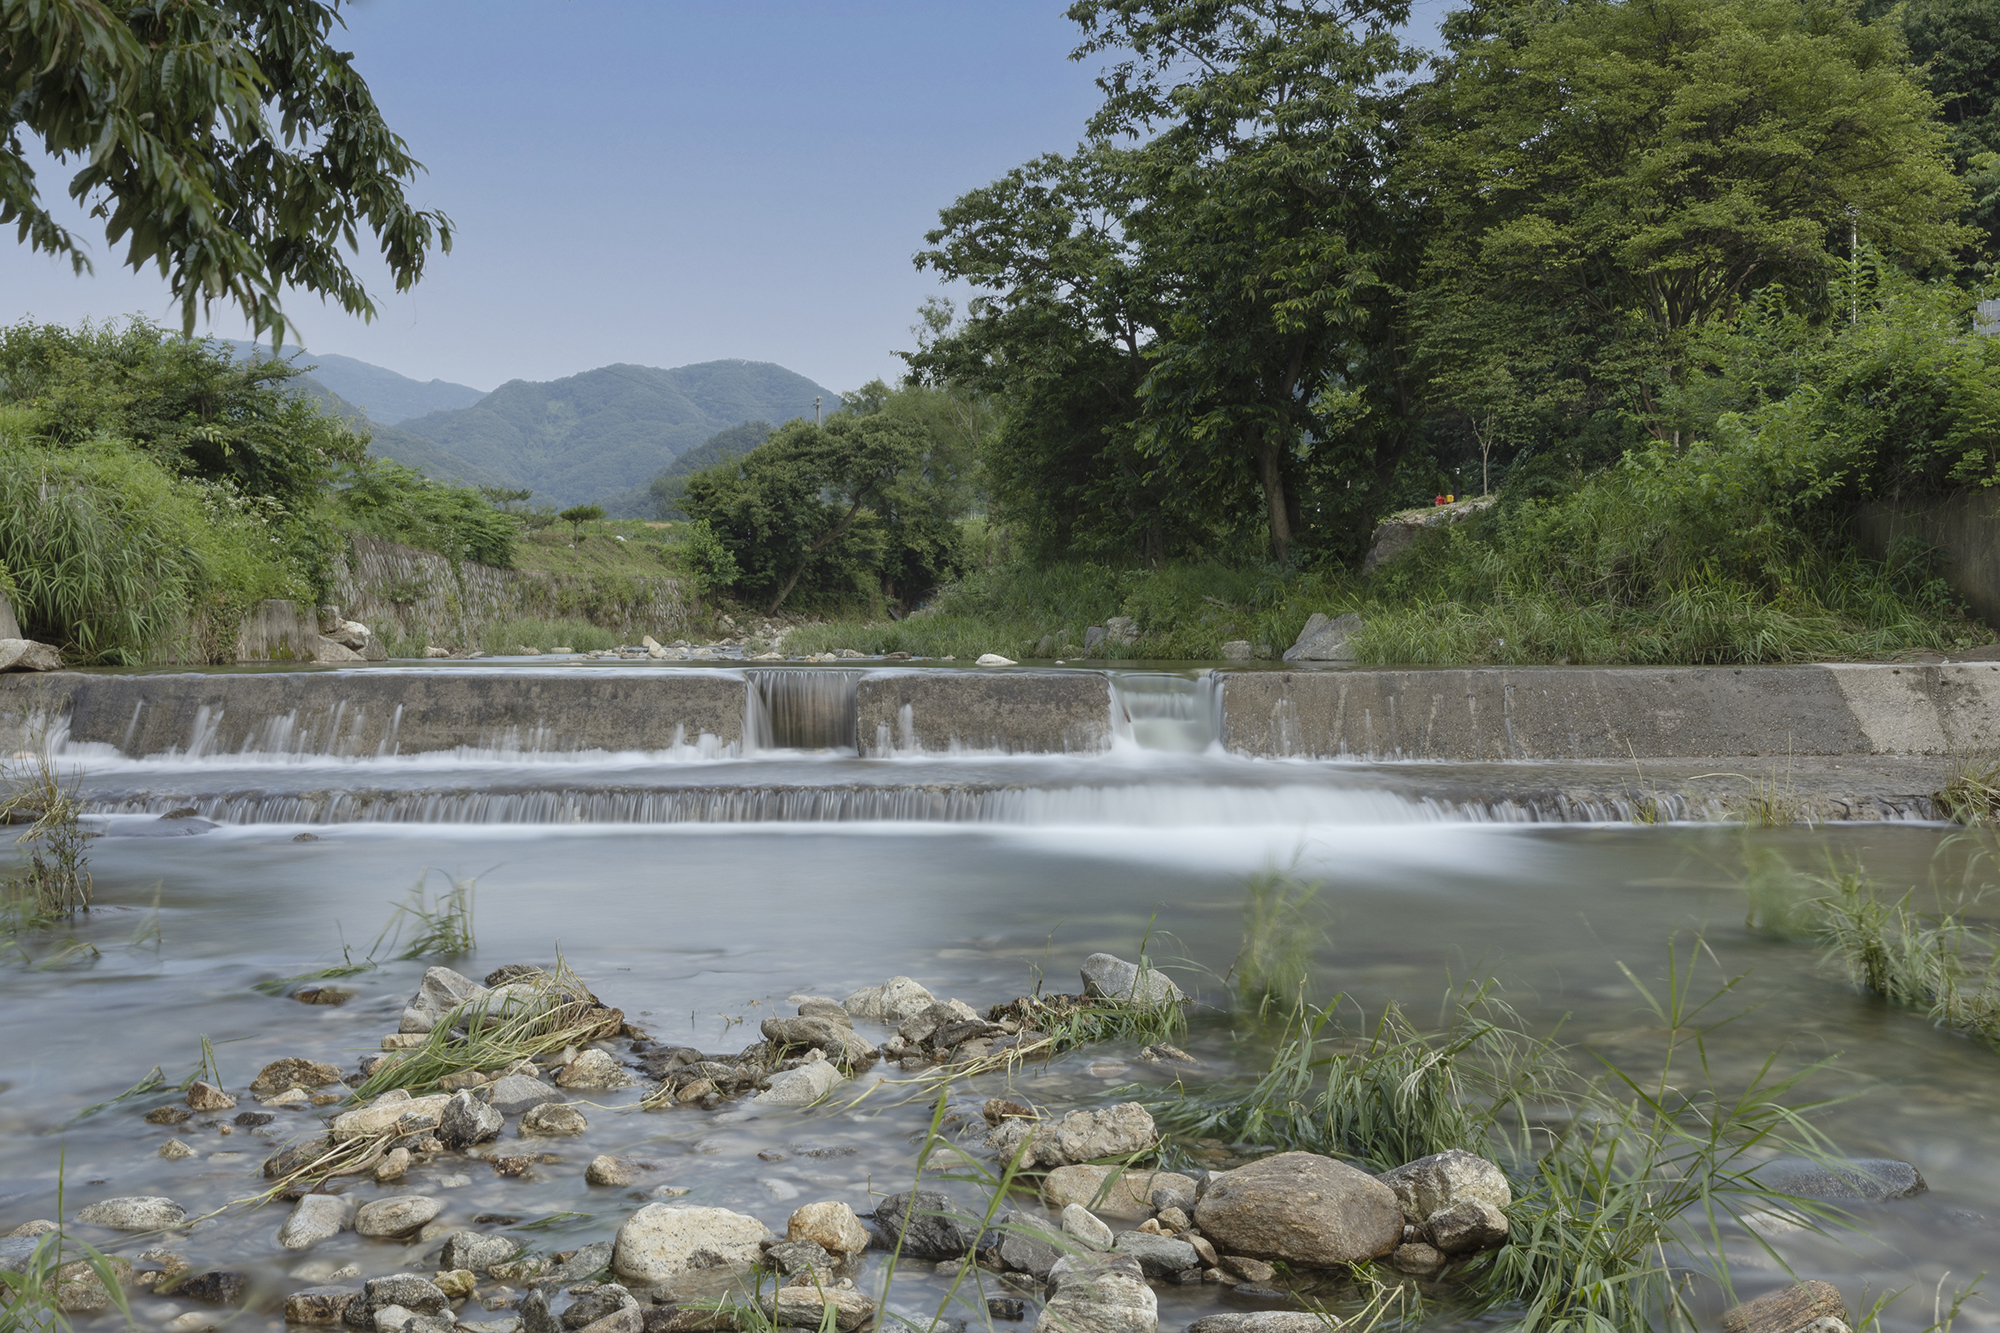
(226, 142)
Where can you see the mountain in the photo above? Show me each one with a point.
(388, 442)
(642, 502)
(607, 430)
(384, 396)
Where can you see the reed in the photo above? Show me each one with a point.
(440, 925)
(31, 1295)
(1971, 792)
(1280, 932)
(56, 884)
(1938, 964)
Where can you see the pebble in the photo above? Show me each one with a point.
(175, 1150)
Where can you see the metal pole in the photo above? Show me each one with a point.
(816, 420)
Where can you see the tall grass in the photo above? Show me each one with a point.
(1281, 929)
(1937, 964)
(57, 882)
(507, 636)
(439, 924)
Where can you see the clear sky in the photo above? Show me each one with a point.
(663, 182)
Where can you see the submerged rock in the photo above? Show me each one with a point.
(1122, 1131)
(1872, 1178)
(928, 1225)
(134, 1213)
(292, 1072)
(1795, 1307)
(1112, 977)
(1302, 1208)
(314, 1218)
(664, 1240)
(220, 1287)
(1099, 1296)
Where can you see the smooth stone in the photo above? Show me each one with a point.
(1302, 1208)
(665, 1240)
(175, 1150)
(1112, 977)
(1099, 1296)
(314, 1218)
(1122, 1131)
(135, 1213)
(518, 1093)
(292, 1072)
(384, 1114)
(476, 1250)
(615, 1171)
(466, 1120)
(1125, 1194)
(553, 1120)
(1158, 1256)
(28, 655)
(397, 1216)
(802, 1086)
(1028, 1247)
(833, 1226)
(806, 1307)
(1872, 1178)
(1086, 1226)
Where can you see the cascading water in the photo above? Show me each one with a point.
(800, 708)
(1157, 711)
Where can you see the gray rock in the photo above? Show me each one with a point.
(615, 1171)
(1468, 1226)
(664, 1240)
(520, 1092)
(1871, 1178)
(476, 1251)
(1444, 1180)
(219, 1287)
(1114, 978)
(591, 1306)
(396, 1216)
(1120, 1131)
(314, 1218)
(535, 1316)
(802, 1086)
(553, 1120)
(838, 1041)
(1122, 630)
(626, 1319)
(1260, 1321)
(1416, 1258)
(407, 1290)
(1324, 640)
(1302, 1208)
(319, 1305)
(293, 1072)
(16, 1251)
(135, 1213)
(929, 1226)
(1158, 1256)
(441, 991)
(806, 1307)
(1099, 1296)
(891, 1002)
(1086, 1226)
(582, 1265)
(595, 1070)
(27, 655)
(820, 1007)
(1027, 1246)
(467, 1120)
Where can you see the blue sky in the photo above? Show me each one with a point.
(664, 183)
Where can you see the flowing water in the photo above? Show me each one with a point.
(700, 896)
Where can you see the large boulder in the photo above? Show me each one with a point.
(1324, 640)
(664, 1240)
(27, 655)
(1397, 533)
(1303, 1208)
(1113, 978)
(1099, 1295)
(1120, 1131)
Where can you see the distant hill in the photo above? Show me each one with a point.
(644, 501)
(388, 442)
(591, 436)
(384, 396)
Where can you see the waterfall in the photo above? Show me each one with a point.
(800, 708)
(1160, 711)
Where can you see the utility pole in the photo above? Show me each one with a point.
(816, 420)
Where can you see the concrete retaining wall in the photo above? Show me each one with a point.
(1965, 530)
(937, 712)
(1556, 713)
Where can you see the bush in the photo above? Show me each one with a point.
(400, 503)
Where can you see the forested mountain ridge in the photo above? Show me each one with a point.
(382, 395)
(586, 436)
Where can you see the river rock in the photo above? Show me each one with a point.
(928, 1225)
(1158, 1256)
(441, 991)
(1416, 1258)
(1099, 1296)
(175, 1150)
(408, 1115)
(805, 1307)
(219, 1287)
(79, 1290)
(1120, 1131)
(207, 1097)
(1783, 1311)
(1324, 640)
(608, 1299)
(476, 1250)
(802, 1086)
(396, 1216)
(1260, 1321)
(1871, 1178)
(891, 1002)
(1123, 1193)
(583, 1264)
(319, 1305)
(466, 1120)
(801, 1260)
(1116, 979)
(314, 1218)
(535, 1316)
(1469, 1226)
(615, 1171)
(406, 1290)
(832, 1226)
(1445, 1179)
(595, 1070)
(147, 1212)
(663, 1240)
(1027, 1246)
(292, 1072)
(1303, 1208)
(625, 1319)
(1086, 1226)
(28, 655)
(838, 1041)
(553, 1120)
(169, 1115)
(520, 1092)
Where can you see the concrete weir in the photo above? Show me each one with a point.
(1592, 713)
(1028, 712)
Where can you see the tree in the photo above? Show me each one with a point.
(578, 515)
(226, 142)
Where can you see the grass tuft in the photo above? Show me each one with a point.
(1280, 931)
(57, 884)
(441, 925)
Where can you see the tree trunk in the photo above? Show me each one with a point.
(1268, 472)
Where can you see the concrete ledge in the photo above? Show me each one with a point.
(936, 712)
(385, 712)
(1584, 713)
